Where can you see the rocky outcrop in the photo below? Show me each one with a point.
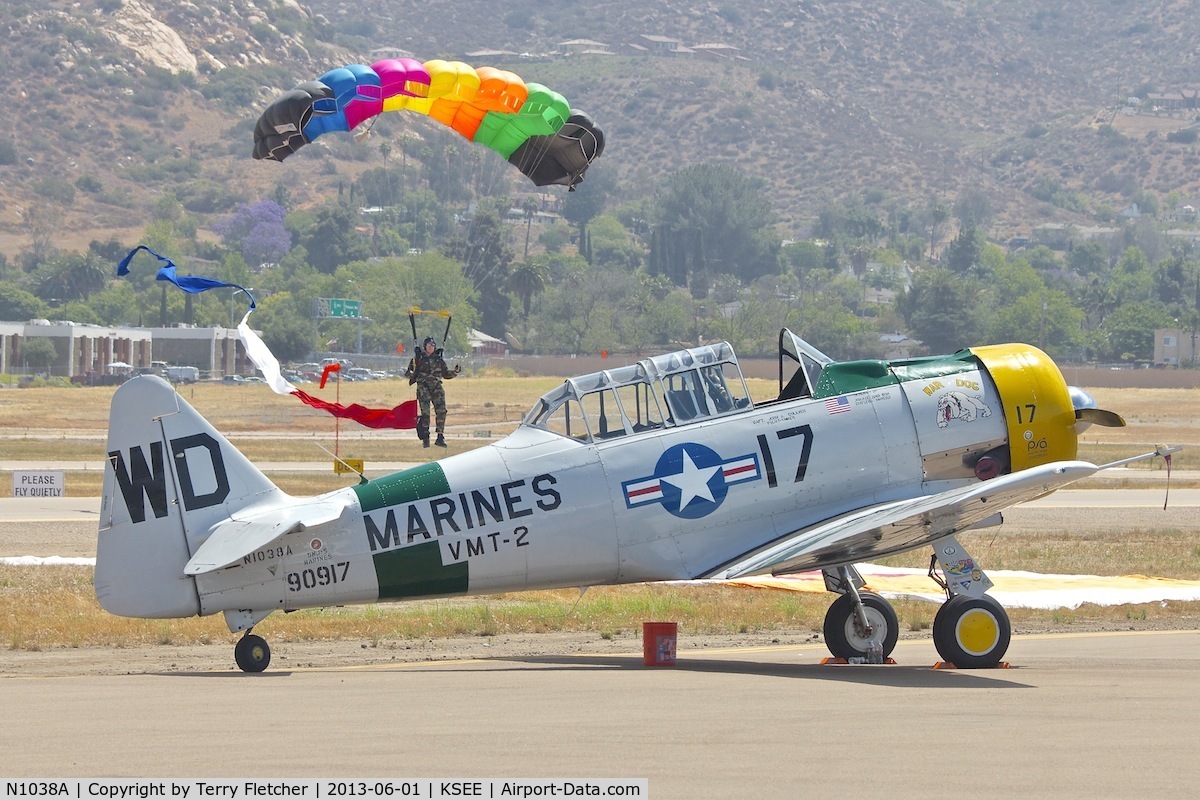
(136, 28)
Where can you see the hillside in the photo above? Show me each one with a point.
(122, 103)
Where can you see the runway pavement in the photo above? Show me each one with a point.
(1077, 716)
(1107, 715)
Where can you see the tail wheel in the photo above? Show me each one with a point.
(972, 632)
(252, 653)
(844, 635)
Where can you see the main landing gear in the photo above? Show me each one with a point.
(252, 653)
(857, 620)
(971, 630)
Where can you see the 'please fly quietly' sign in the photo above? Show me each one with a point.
(38, 483)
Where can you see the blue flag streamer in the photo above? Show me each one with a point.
(403, 416)
(193, 284)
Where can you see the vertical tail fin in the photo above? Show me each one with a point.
(170, 477)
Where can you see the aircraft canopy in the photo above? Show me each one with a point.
(661, 391)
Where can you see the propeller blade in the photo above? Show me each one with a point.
(1099, 416)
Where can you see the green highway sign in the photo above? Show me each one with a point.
(338, 308)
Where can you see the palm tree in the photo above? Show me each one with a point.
(530, 207)
(385, 148)
(527, 280)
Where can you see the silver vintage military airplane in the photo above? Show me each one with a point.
(658, 471)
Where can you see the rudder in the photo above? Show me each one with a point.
(170, 476)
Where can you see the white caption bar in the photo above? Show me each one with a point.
(322, 789)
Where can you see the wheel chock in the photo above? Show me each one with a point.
(952, 665)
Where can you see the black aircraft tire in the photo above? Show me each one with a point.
(841, 636)
(972, 632)
(252, 653)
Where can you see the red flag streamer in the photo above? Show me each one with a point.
(402, 416)
(328, 369)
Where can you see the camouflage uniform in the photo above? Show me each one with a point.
(427, 372)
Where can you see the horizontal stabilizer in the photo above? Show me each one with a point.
(904, 524)
(233, 539)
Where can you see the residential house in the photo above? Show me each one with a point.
(717, 51)
(663, 45)
(1175, 347)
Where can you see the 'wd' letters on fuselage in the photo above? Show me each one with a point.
(140, 480)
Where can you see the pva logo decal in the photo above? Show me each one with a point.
(691, 480)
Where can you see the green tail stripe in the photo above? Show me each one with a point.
(408, 486)
(417, 571)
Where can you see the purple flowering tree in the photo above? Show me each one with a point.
(257, 231)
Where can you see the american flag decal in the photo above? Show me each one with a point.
(837, 405)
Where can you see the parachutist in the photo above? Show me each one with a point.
(427, 370)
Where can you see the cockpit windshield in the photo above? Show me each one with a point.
(802, 362)
(662, 391)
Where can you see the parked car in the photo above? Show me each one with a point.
(183, 374)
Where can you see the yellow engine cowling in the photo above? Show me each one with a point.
(1038, 411)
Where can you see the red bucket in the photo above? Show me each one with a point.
(658, 643)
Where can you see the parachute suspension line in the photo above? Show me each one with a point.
(363, 132)
(533, 157)
(476, 260)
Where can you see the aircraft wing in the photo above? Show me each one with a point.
(901, 525)
(233, 539)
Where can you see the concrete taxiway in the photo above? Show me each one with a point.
(1077, 716)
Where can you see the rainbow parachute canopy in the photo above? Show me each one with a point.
(529, 124)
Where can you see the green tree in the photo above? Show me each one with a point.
(528, 279)
(80, 313)
(589, 198)
(964, 255)
(1177, 283)
(1131, 280)
(376, 187)
(612, 245)
(19, 305)
(39, 353)
(834, 328)
(286, 326)
(1089, 258)
(529, 207)
(712, 219)
(390, 287)
(555, 238)
(851, 219)
(1043, 318)
(117, 304)
(332, 239)
(1128, 332)
(803, 256)
(937, 214)
(942, 310)
(486, 260)
(581, 313)
(70, 276)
